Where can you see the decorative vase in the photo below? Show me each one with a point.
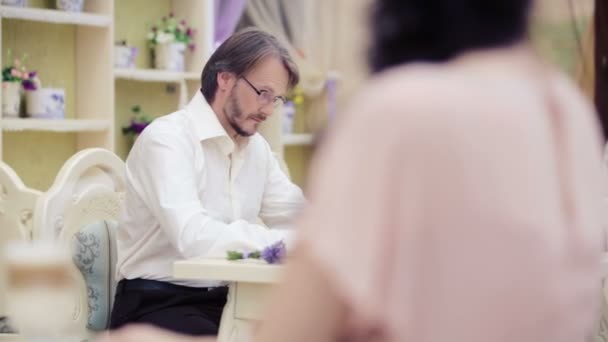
(170, 56)
(289, 113)
(11, 99)
(70, 5)
(16, 3)
(45, 103)
(124, 56)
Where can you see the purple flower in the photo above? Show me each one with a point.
(138, 127)
(28, 85)
(274, 253)
(57, 98)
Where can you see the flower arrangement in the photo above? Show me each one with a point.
(297, 96)
(17, 72)
(272, 254)
(293, 105)
(170, 30)
(138, 123)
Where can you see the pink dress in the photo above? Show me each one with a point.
(462, 203)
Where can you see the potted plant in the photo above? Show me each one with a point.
(139, 121)
(14, 78)
(169, 40)
(294, 104)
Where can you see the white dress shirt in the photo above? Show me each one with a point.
(191, 192)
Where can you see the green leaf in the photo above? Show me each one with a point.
(255, 255)
(232, 255)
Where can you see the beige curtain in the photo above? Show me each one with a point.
(312, 29)
(563, 33)
(585, 72)
(351, 47)
(326, 38)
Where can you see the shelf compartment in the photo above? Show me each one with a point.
(297, 139)
(54, 125)
(55, 16)
(153, 75)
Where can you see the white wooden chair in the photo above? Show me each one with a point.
(81, 209)
(17, 204)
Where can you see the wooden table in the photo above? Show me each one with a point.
(250, 281)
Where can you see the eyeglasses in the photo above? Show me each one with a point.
(265, 97)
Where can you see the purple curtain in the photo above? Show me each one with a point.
(227, 15)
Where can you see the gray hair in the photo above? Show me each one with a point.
(240, 53)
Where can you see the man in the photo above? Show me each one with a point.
(198, 181)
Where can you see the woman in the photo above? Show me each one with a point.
(458, 200)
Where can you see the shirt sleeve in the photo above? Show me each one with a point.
(168, 183)
(348, 226)
(282, 199)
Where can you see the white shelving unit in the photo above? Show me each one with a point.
(49, 125)
(93, 41)
(153, 75)
(93, 118)
(55, 16)
(306, 139)
(199, 15)
(89, 85)
(300, 139)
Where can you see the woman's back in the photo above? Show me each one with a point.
(465, 204)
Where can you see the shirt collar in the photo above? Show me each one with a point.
(206, 124)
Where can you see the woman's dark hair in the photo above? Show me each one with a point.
(240, 53)
(406, 31)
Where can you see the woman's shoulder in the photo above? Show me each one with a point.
(482, 89)
(406, 98)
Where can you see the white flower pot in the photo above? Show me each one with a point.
(11, 99)
(16, 3)
(170, 56)
(70, 5)
(124, 56)
(45, 103)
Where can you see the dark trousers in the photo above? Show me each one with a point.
(182, 309)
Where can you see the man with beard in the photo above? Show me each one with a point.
(198, 182)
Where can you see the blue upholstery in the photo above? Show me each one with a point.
(94, 255)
